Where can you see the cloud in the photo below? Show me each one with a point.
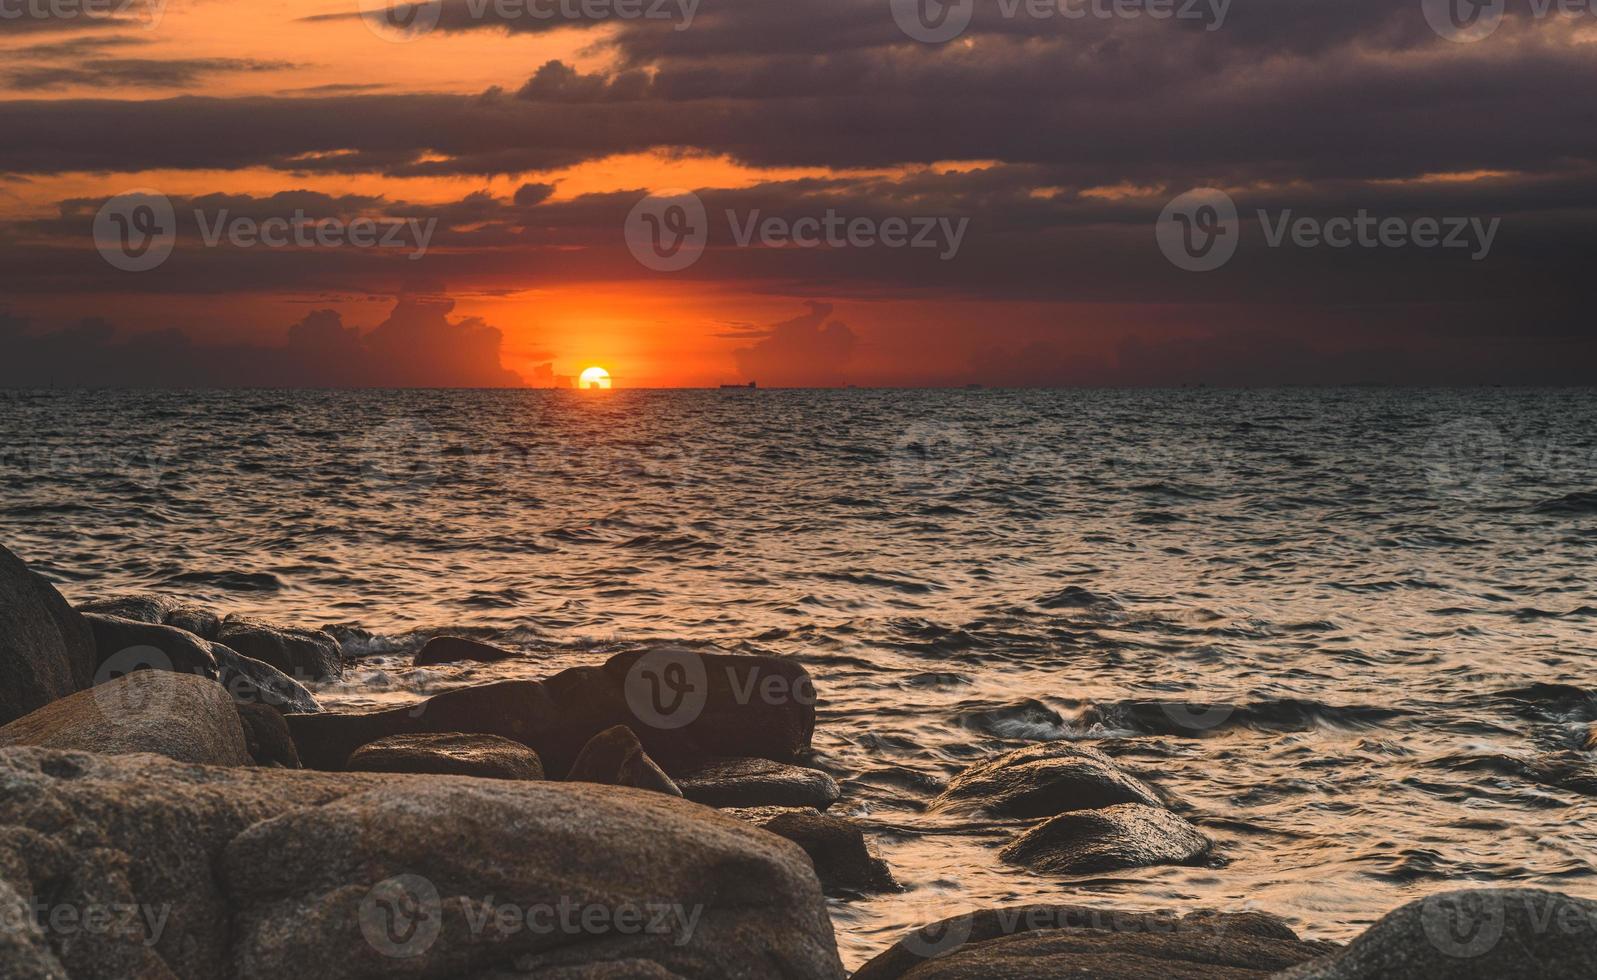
(807, 350)
(416, 346)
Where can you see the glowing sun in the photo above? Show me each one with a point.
(594, 377)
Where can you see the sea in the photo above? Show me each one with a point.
(1351, 631)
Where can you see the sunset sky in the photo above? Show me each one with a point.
(1060, 139)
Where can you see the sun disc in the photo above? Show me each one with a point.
(594, 377)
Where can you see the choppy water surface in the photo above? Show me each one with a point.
(1351, 629)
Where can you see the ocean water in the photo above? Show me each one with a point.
(1351, 630)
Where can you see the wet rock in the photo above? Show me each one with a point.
(270, 873)
(1045, 942)
(836, 847)
(266, 736)
(711, 705)
(1043, 780)
(124, 644)
(180, 716)
(46, 649)
(300, 653)
(615, 757)
(1129, 835)
(1480, 934)
(158, 610)
(756, 782)
(452, 649)
(453, 754)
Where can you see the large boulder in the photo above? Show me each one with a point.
(1129, 835)
(270, 873)
(684, 707)
(451, 754)
(1043, 780)
(180, 716)
(266, 735)
(757, 782)
(1044, 942)
(1477, 934)
(452, 649)
(124, 644)
(615, 757)
(46, 649)
(300, 653)
(836, 847)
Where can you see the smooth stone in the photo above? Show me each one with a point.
(452, 754)
(158, 610)
(270, 873)
(836, 847)
(452, 649)
(558, 716)
(46, 649)
(1129, 835)
(180, 716)
(1044, 942)
(123, 644)
(1470, 934)
(266, 736)
(615, 757)
(302, 654)
(1043, 780)
(756, 782)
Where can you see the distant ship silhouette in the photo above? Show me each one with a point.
(749, 385)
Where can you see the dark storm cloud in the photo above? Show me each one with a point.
(137, 72)
(806, 350)
(417, 346)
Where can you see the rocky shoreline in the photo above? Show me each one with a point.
(175, 803)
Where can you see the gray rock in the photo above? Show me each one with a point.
(1043, 780)
(452, 754)
(157, 610)
(266, 736)
(756, 782)
(1478, 934)
(253, 682)
(300, 653)
(46, 649)
(1045, 942)
(271, 873)
(180, 716)
(615, 757)
(1129, 835)
(451, 649)
(836, 847)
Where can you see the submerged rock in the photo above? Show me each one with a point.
(299, 653)
(450, 649)
(1045, 942)
(615, 757)
(271, 873)
(757, 782)
(451, 754)
(46, 649)
(1043, 780)
(836, 847)
(1479, 934)
(266, 736)
(683, 706)
(1129, 835)
(180, 716)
